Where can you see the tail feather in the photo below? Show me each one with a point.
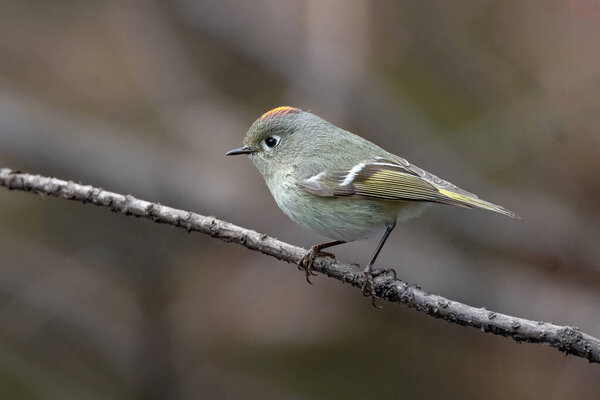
(468, 201)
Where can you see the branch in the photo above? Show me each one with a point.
(567, 339)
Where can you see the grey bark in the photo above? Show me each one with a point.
(567, 339)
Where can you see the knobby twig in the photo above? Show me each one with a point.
(567, 339)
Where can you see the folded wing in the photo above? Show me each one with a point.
(394, 179)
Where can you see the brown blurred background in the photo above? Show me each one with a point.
(145, 97)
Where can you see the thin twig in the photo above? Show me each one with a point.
(567, 339)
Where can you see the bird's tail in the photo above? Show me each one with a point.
(470, 202)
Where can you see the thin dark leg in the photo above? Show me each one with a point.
(308, 259)
(368, 287)
(389, 230)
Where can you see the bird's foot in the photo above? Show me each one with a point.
(306, 262)
(368, 287)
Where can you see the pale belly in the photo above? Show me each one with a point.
(340, 218)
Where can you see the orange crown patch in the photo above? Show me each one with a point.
(278, 112)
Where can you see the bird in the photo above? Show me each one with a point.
(342, 186)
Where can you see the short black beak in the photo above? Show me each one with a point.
(241, 150)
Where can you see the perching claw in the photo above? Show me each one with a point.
(307, 261)
(368, 287)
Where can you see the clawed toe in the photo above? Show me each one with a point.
(307, 261)
(305, 264)
(368, 287)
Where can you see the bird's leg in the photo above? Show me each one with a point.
(368, 288)
(306, 262)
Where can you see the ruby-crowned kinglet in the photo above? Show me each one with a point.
(342, 186)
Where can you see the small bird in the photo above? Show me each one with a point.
(340, 185)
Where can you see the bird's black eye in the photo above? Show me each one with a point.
(271, 142)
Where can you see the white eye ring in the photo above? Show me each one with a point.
(271, 142)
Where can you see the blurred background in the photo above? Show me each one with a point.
(144, 97)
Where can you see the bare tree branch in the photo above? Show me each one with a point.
(567, 339)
